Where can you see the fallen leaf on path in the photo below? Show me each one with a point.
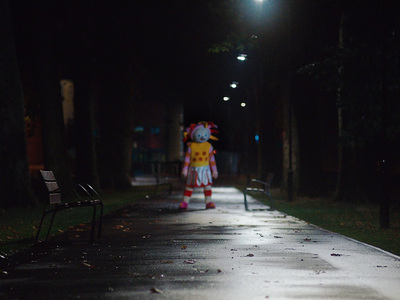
(183, 247)
(86, 264)
(167, 262)
(190, 261)
(155, 291)
(203, 271)
(250, 255)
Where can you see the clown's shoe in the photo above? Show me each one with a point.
(183, 205)
(210, 205)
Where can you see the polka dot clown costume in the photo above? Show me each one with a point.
(199, 167)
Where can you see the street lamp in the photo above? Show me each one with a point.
(242, 57)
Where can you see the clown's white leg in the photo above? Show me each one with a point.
(187, 194)
(207, 196)
(186, 197)
(207, 193)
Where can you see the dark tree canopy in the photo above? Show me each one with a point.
(122, 53)
(15, 188)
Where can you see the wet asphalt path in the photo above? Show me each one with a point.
(151, 251)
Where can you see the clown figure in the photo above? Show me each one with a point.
(199, 167)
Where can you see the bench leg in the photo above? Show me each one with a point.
(40, 226)
(51, 224)
(91, 240)
(271, 201)
(100, 226)
(245, 200)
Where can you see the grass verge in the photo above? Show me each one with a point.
(359, 221)
(18, 226)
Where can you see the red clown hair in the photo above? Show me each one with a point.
(188, 134)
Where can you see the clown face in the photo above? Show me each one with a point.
(201, 134)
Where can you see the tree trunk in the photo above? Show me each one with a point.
(384, 200)
(15, 185)
(340, 172)
(86, 162)
(290, 142)
(290, 148)
(84, 120)
(115, 120)
(258, 94)
(48, 82)
(174, 151)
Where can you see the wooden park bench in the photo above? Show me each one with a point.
(86, 197)
(258, 186)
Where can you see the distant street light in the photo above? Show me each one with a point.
(226, 98)
(243, 104)
(234, 85)
(242, 57)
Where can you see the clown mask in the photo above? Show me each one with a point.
(201, 134)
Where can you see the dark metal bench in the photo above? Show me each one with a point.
(160, 174)
(86, 197)
(255, 185)
(152, 181)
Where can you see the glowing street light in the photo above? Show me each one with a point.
(234, 85)
(243, 104)
(226, 98)
(242, 57)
